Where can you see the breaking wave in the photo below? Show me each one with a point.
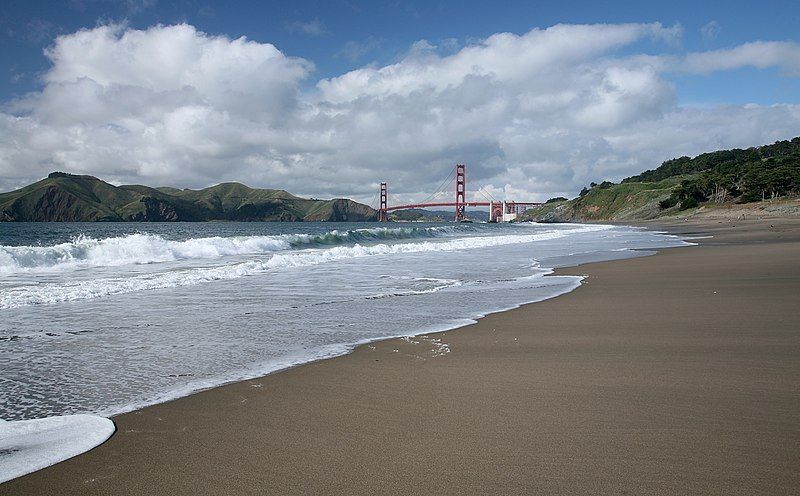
(144, 248)
(58, 292)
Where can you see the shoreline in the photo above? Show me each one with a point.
(85, 474)
(340, 349)
(348, 348)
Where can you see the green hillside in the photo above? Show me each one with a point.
(720, 177)
(608, 201)
(723, 160)
(68, 197)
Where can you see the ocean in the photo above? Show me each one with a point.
(106, 318)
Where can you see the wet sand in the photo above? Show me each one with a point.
(677, 373)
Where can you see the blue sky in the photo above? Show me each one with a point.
(329, 98)
(338, 36)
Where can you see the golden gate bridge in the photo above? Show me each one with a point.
(499, 211)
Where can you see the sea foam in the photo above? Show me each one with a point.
(143, 248)
(48, 293)
(30, 445)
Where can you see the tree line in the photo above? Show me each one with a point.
(754, 174)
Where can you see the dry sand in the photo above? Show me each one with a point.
(672, 374)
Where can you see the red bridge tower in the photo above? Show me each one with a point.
(383, 215)
(461, 190)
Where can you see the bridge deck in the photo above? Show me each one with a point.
(426, 205)
(453, 204)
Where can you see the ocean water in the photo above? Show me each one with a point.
(106, 318)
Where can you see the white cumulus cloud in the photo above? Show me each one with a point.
(533, 115)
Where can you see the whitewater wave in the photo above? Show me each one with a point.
(49, 293)
(144, 248)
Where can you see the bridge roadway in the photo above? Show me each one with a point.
(466, 204)
(446, 204)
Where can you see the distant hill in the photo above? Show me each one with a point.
(715, 178)
(69, 197)
(424, 215)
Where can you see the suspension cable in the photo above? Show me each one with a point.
(491, 197)
(444, 184)
(374, 202)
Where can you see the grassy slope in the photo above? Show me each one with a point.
(763, 170)
(85, 195)
(147, 196)
(338, 209)
(237, 201)
(72, 197)
(632, 200)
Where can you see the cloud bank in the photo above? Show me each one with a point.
(533, 115)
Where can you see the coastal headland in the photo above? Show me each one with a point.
(677, 373)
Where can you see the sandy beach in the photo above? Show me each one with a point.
(677, 373)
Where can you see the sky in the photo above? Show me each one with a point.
(329, 98)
